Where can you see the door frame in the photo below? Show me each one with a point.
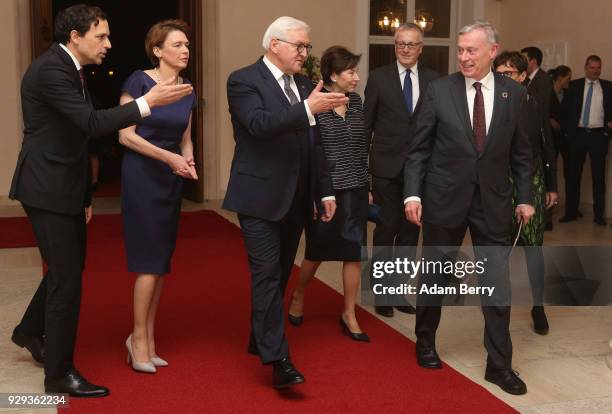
(41, 30)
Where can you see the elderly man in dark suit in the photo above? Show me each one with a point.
(51, 181)
(587, 123)
(278, 173)
(392, 96)
(469, 141)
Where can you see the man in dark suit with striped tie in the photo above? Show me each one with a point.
(392, 96)
(278, 173)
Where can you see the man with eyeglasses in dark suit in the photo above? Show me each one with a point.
(391, 100)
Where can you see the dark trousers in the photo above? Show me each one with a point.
(534, 258)
(393, 229)
(497, 318)
(595, 143)
(271, 248)
(54, 309)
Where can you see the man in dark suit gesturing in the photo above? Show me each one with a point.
(392, 96)
(469, 140)
(51, 181)
(277, 175)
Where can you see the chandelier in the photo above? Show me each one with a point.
(424, 20)
(389, 21)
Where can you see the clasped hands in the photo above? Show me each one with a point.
(183, 166)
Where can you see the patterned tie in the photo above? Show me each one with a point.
(586, 113)
(290, 94)
(479, 123)
(408, 90)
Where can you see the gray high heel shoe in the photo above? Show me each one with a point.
(146, 367)
(159, 362)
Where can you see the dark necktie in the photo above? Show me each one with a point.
(290, 94)
(586, 111)
(408, 90)
(479, 123)
(82, 77)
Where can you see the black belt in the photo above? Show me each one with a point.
(589, 130)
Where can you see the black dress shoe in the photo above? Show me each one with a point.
(428, 357)
(600, 222)
(406, 309)
(384, 310)
(295, 320)
(284, 374)
(75, 385)
(252, 349)
(359, 336)
(540, 323)
(507, 379)
(566, 219)
(34, 344)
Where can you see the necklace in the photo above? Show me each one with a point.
(158, 78)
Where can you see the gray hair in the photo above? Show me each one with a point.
(410, 26)
(486, 27)
(279, 28)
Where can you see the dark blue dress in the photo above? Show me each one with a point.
(150, 192)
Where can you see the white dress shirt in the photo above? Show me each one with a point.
(533, 75)
(596, 114)
(488, 94)
(414, 77)
(278, 75)
(143, 106)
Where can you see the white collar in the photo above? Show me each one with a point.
(74, 59)
(414, 69)
(534, 73)
(276, 72)
(488, 81)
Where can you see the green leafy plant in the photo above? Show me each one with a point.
(312, 68)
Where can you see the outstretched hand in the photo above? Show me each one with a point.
(324, 101)
(167, 92)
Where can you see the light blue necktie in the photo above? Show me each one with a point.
(586, 114)
(408, 90)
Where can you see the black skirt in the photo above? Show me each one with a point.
(343, 237)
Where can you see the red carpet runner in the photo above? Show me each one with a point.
(203, 329)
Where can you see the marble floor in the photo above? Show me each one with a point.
(565, 371)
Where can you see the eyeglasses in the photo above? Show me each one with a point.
(409, 46)
(299, 46)
(508, 73)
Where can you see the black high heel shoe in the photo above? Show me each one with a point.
(295, 320)
(361, 336)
